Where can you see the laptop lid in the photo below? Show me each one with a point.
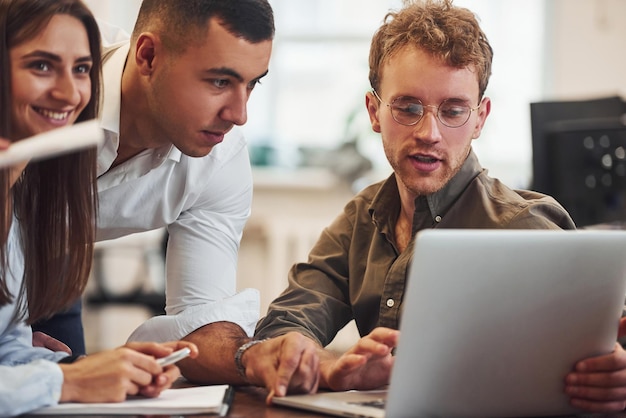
(493, 320)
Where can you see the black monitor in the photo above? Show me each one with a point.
(579, 157)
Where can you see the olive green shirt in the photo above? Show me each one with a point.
(355, 271)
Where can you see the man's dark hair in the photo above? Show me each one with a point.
(179, 22)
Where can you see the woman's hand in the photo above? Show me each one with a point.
(111, 376)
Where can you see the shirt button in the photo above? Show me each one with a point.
(437, 218)
(390, 303)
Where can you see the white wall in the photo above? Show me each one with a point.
(121, 13)
(587, 55)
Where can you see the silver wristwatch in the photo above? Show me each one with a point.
(239, 353)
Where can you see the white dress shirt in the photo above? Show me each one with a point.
(203, 202)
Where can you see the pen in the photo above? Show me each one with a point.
(227, 401)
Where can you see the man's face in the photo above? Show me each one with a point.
(196, 97)
(427, 155)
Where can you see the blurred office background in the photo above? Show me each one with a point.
(312, 146)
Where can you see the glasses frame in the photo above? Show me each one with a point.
(435, 108)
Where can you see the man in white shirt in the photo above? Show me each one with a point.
(172, 159)
(171, 98)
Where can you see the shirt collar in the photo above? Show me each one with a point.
(439, 202)
(386, 203)
(112, 70)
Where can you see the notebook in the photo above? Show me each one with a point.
(492, 322)
(53, 143)
(175, 401)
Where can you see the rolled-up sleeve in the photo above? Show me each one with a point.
(241, 309)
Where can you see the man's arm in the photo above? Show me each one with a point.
(314, 307)
(316, 302)
(218, 343)
(201, 257)
(281, 364)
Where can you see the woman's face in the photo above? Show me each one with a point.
(51, 82)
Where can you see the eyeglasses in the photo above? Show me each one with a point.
(408, 111)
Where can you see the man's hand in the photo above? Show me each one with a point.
(598, 384)
(41, 339)
(367, 365)
(288, 363)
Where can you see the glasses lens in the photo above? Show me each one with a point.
(453, 114)
(406, 111)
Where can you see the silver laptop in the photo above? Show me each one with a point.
(493, 320)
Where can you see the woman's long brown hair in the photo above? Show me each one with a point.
(55, 200)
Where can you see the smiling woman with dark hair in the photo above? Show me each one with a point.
(41, 91)
(50, 78)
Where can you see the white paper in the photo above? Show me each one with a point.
(193, 400)
(53, 143)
